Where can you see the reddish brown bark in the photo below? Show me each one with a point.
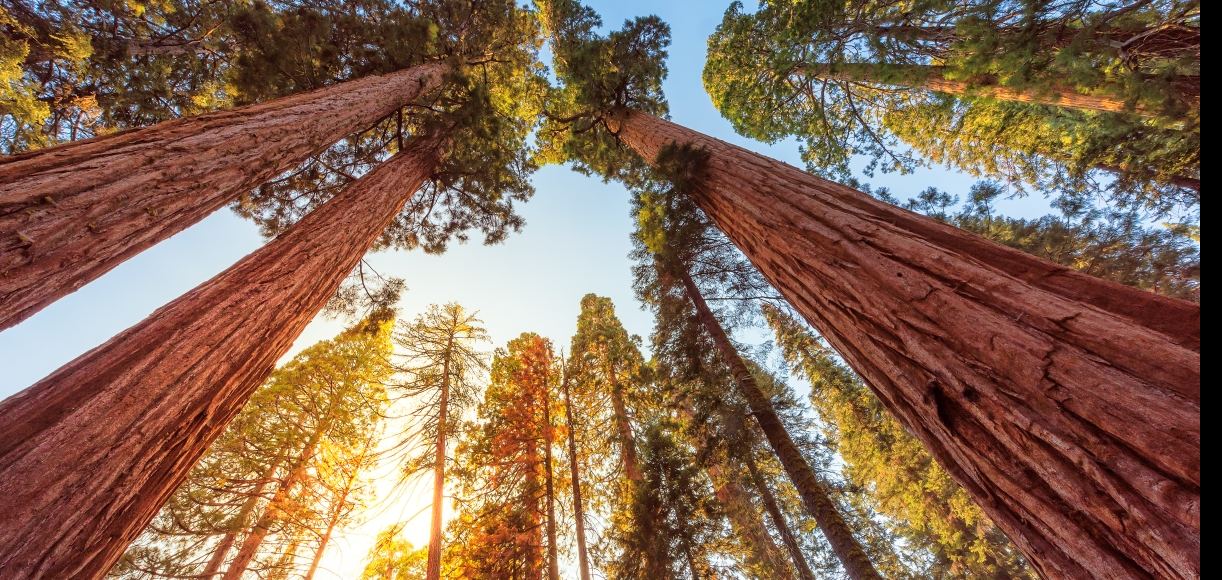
(69, 214)
(90, 453)
(1067, 406)
(814, 494)
(433, 567)
(579, 518)
(933, 78)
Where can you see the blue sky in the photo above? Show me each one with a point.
(575, 241)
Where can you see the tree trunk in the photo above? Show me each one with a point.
(244, 513)
(748, 523)
(814, 495)
(69, 214)
(90, 453)
(337, 509)
(553, 557)
(627, 441)
(284, 491)
(778, 520)
(933, 78)
(433, 569)
(579, 518)
(1067, 406)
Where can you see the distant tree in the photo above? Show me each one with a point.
(1048, 98)
(441, 366)
(299, 448)
(394, 558)
(506, 492)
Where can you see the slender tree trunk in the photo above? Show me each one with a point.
(748, 523)
(69, 214)
(778, 520)
(553, 557)
(627, 441)
(90, 453)
(933, 78)
(244, 514)
(433, 570)
(322, 548)
(1067, 406)
(814, 495)
(579, 518)
(284, 491)
(337, 510)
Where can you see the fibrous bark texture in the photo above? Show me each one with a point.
(90, 453)
(1067, 406)
(71, 213)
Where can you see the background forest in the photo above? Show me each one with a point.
(611, 387)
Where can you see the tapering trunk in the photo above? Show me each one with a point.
(1067, 406)
(90, 453)
(933, 78)
(748, 524)
(71, 213)
(579, 518)
(627, 441)
(553, 555)
(322, 549)
(796, 555)
(814, 495)
(271, 513)
(433, 568)
(337, 509)
(244, 514)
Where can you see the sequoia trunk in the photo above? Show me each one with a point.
(1068, 406)
(71, 213)
(90, 453)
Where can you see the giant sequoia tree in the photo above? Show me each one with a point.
(168, 386)
(851, 78)
(676, 235)
(142, 380)
(950, 329)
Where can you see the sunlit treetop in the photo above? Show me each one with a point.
(599, 74)
(73, 70)
(836, 74)
(485, 111)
